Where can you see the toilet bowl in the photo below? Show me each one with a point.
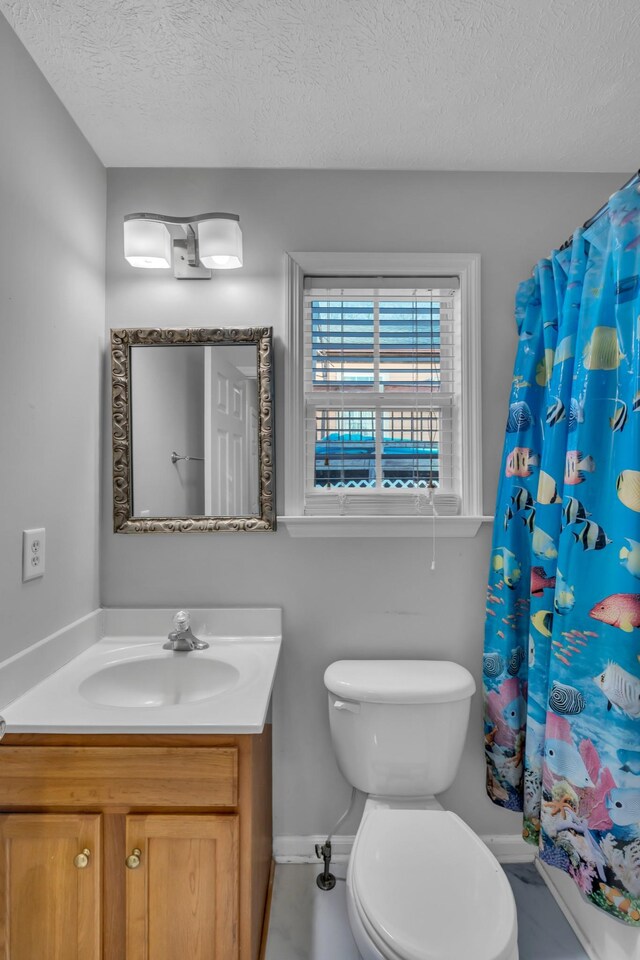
(420, 884)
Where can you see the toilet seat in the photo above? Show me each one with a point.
(425, 887)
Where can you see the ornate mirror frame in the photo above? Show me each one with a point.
(122, 340)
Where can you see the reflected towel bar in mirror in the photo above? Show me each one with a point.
(175, 457)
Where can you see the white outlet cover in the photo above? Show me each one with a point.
(33, 543)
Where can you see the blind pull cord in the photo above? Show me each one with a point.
(431, 483)
(433, 531)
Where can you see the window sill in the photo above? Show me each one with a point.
(382, 526)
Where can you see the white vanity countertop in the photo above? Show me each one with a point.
(244, 640)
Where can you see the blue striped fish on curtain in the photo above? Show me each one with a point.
(562, 636)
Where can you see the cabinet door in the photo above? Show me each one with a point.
(50, 889)
(182, 896)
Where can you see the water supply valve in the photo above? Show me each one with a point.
(325, 880)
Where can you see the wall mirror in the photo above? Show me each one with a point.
(192, 428)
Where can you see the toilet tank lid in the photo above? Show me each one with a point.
(399, 681)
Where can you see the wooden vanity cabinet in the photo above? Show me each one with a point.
(134, 848)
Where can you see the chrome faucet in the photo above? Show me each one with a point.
(182, 640)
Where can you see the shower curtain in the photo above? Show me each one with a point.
(561, 663)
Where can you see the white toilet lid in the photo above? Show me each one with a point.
(428, 887)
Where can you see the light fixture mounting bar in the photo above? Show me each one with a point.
(186, 259)
(181, 221)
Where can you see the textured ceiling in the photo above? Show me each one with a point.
(373, 84)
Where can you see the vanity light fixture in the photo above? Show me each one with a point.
(198, 244)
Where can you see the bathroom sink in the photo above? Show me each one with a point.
(125, 682)
(159, 681)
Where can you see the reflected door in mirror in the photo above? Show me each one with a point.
(231, 434)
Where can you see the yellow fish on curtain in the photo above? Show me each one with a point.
(562, 635)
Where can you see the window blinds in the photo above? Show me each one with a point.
(382, 381)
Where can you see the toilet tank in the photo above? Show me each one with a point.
(398, 726)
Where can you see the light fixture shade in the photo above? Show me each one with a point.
(147, 243)
(220, 243)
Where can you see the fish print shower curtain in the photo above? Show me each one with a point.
(562, 639)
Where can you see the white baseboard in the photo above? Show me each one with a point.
(291, 849)
(602, 937)
(302, 849)
(510, 848)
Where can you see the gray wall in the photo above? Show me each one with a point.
(341, 598)
(52, 226)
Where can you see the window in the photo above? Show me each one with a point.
(383, 398)
(381, 374)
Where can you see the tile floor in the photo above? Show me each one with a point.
(308, 924)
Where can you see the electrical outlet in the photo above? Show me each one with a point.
(32, 554)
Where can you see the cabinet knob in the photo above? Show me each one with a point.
(82, 859)
(133, 860)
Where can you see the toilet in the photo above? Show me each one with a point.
(420, 884)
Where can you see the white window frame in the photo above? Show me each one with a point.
(467, 267)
